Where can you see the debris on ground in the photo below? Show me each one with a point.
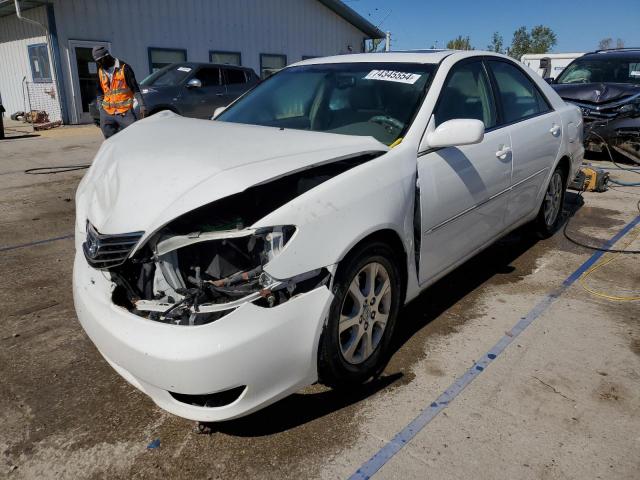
(204, 428)
(154, 444)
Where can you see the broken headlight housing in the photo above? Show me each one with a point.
(197, 278)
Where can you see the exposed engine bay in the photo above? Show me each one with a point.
(611, 115)
(620, 134)
(206, 263)
(198, 278)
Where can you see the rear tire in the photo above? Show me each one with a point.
(550, 214)
(354, 345)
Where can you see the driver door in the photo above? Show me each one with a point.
(462, 190)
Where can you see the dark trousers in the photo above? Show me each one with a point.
(112, 124)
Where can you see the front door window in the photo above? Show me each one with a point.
(467, 94)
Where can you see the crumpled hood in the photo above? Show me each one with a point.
(596, 93)
(166, 165)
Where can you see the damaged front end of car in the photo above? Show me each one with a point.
(612, 124)
(203, 265)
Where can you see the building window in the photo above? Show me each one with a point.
(271, 63)
(161, 57)
(39, 60)
(226, 58)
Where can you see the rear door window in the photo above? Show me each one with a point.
(234, 76)
(467, 94)
(519, 96)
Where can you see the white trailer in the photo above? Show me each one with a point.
(549, 65)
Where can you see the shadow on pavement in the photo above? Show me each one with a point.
(299, 409)
(495, 261)
(18, 136)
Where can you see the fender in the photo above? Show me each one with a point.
(333, 217)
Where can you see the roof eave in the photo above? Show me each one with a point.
(353, 18)
(7, 7)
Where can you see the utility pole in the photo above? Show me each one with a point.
(387, 46)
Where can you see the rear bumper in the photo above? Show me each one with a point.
(272, 351)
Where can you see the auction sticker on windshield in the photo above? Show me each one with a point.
(393, 76)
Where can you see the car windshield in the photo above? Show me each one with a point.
(603, 68)
(367, 99)
(169, 76)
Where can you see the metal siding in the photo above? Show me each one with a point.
(290, 27)
(15, 37)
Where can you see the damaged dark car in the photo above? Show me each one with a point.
(606, 87)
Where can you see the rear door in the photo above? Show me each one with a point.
(536, 135)
(463, 189)
(235, 80)
(200, 102)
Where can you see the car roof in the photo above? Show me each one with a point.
(206, 64)
(435, 56)
(616, 53)
(408, 56)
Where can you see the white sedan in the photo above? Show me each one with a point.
(222, 265)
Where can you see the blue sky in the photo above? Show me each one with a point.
(579, 24)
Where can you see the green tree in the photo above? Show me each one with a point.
(460, 43)
(520, 44)
(543, 39)
(619, 43)
(540, 40)
(497, 43)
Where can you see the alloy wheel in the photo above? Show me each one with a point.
(364, 313)
(553, 199)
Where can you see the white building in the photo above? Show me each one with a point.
(48, 66)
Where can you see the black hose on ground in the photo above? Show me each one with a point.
(632, 170)
(593, 247)
(52, 170)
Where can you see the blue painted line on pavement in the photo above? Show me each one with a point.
(37, 242)
(377, 461)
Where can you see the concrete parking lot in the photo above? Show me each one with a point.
(561, 401)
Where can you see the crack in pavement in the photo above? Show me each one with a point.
(555, 390)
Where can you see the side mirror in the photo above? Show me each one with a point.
(453, 133)
(194, 83)
(549, 80)
(217, 112)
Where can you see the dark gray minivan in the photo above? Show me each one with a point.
(193, 89)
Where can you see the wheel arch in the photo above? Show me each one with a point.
(391, 238)
(565, 164)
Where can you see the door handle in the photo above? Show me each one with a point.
(555, 130)
(219, 94)
(503, 152)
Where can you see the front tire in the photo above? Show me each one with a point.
(550, 214)
(354, 345)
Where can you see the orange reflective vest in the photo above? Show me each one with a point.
(118, 97)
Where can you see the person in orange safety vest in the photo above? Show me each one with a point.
(120, 93)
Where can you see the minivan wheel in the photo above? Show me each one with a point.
(354, 345)
(550, 212)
